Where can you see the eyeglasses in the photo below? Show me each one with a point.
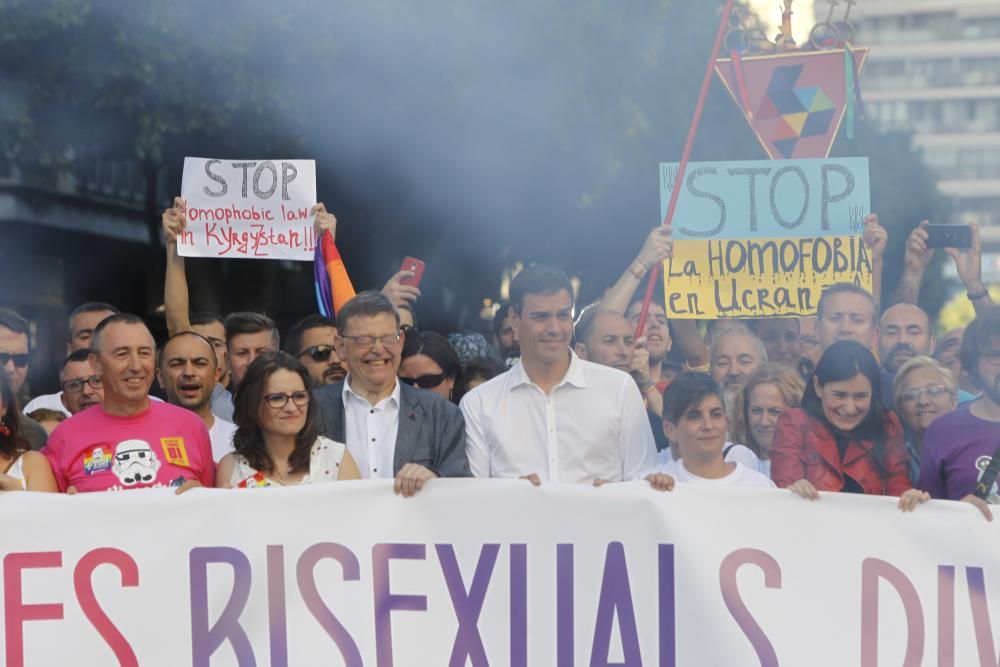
(20, 360)
(76, 386)
(914, 394)
(369, 341)
(425, 381)
(280, 400)
(318, 352)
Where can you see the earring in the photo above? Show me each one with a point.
(4, 429)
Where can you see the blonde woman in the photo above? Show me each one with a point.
(767, 392)
(924, 390)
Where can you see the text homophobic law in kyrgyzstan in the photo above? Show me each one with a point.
(248, 208)
(763, 238)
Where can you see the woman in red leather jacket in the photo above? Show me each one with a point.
(841, 439)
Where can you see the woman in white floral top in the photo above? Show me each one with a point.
(276, 441)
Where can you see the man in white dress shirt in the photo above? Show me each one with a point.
(554, 417)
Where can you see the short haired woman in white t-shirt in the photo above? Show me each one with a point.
(277, 442)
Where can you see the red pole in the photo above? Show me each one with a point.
(654, 274)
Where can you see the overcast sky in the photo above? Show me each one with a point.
(802, 19)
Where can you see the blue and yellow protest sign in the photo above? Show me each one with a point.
(763, 238)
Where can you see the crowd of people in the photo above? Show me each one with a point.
(860, 398)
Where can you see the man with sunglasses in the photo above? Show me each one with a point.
(392, 430)
(15, 357)
(311, 340)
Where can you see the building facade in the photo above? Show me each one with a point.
(934, 69)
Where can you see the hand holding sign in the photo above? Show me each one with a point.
(640, 362)
(174, 219)
(657, 248)
(875, 236)
(325, 222)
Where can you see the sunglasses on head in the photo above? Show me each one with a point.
(20, 360)
(318, 352)
(425, 381)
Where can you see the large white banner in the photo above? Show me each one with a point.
(248, 208)
(495, 573)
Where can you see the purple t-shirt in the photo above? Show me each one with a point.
(957, 448)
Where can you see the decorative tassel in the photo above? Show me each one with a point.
(860, 110)
(741, 82)
(324, 300)
(849, 90)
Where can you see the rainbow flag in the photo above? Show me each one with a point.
(333, 285)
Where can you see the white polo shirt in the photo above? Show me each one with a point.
(592, 425)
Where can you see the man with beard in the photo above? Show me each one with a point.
(735, 354)
(960, 445)
(946, 353)
(506, 339)
(129, 442)
(188, 372)
(904, 333)
(312, 341)
(554, 417)
(657, 338)
(81, 386)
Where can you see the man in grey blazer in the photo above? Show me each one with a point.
(392, 430)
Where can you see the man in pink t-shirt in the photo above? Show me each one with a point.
(129, 442)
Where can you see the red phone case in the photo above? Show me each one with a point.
(417, 267)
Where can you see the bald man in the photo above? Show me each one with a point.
(904, 333)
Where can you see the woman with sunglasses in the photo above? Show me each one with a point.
(277, 442)
(20, 468)
(430, 362)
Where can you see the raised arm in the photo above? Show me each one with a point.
(969, 264)
(916, 258)
(657, 247)
(876, 238)
(175, 287)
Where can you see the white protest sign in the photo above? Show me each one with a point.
(248, 208)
